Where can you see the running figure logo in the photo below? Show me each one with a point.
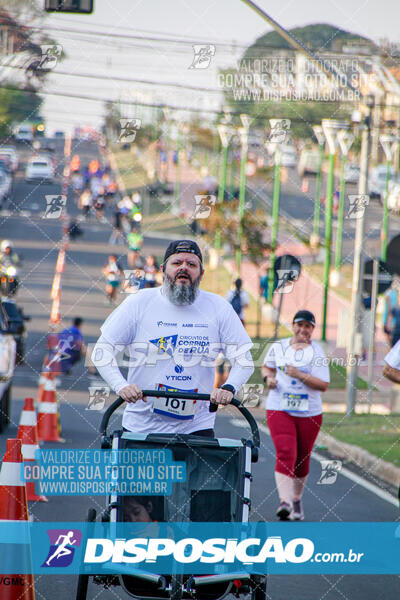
(62, 349)
(165, 344)
(54, 206)
(62, 547)
(129, 129)
(357, 204)
(252, 393)
(204, 204)
(330, 470)
(280, 131)
(203, 54)
(98, 395)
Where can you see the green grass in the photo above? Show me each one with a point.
(338, 379)
(378, 434)
(131, 171)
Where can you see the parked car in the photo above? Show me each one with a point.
(288, 156)
(351, 173)
(48, 145)
(377, 181)
(394, 194)
(8, 348)
(308, 162)
(12, 154)
(24, 134)
(6, 163)
(5, 186)
(16, 326)
(39, 168)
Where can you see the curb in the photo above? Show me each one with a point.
(362, 458)
(381, 469)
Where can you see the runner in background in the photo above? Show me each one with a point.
(135, 243)
(239, 299)
(152, 273)
(296, 372)
(85, 202)
(113, 274)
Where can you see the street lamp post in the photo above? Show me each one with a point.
(345, 139)
(166, 111)
(319, 134)
(244, 136)
(389, 144)
(225, 135)
(275, 218)
(354, 345)
(330, 129)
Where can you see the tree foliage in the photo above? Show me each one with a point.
(320, 36)
(224, 218)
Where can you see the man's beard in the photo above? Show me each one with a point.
(181, 294)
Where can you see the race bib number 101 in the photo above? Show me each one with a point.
(174, 407)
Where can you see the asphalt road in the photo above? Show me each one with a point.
(83, 295)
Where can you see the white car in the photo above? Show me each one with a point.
(377, 181)
(5, 186)
(8, 349)
(39, 168)
(12, 153)
(394, 195)
(24, 134)
(288, 156)
(308, 162)
(351, 173)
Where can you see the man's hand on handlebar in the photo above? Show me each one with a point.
(219, 396)
(131, 393)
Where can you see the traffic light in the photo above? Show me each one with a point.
(71, 6)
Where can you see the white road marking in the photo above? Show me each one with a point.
(371, 487)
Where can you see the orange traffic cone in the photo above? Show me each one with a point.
(44, 376)
(48, 426)
(27, 433)
(14, 507)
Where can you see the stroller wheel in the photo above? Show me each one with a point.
(176, 587)
(259, 584)
(81, 591)
(83, 580)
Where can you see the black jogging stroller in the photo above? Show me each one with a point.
(216, 489)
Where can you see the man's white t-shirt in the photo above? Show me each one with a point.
(292, 395)
(175, 347)
(392, 358)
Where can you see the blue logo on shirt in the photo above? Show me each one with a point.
(165, 344)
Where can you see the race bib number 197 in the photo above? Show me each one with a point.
(294, 402)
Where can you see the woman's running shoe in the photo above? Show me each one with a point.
(284, 510)
(297, 511)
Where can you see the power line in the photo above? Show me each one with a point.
(191, 42)
(146, 104)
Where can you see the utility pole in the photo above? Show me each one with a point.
(355, 345)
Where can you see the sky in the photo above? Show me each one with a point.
(229, 24)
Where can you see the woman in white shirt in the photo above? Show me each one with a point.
(296, 372)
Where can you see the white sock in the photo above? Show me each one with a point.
(298, 487)
(284, 485)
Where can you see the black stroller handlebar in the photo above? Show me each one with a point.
(183, 396)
